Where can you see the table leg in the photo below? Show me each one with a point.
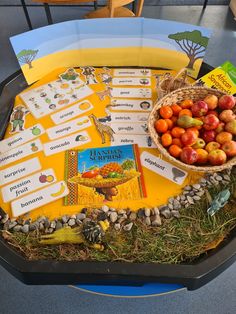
(205, 4)
(48, 13)
(26, 14)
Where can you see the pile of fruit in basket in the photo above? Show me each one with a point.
(110, 171)
(201, 132)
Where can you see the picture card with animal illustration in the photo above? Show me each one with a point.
(131, 81)
(120, 104)
(21, 138)
(126, 92)
(71, 112)
(163, 168)
(95, 175)
(39, 198)
(18, 153)
(28, 184)
(140, 139)
(55, 95)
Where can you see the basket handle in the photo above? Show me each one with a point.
(182, 72)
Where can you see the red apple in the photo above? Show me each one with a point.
(200, 143)
(229, 148)
(226, 102)
(215, 113)
(202, 156)
(231, 127)
(209, 136)
(217, 157)
(227, 115)
(188, 155)
(189, 138)
(211, 122)
(220, 127)
(212, 101)
(199, 108)
(212, 146)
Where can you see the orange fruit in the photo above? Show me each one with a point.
(176, 109)
(166, 112)
(166, 139)
(170, 123)
(195, 130)
(202, 156)
(177, 131)
(185, 112)
(223, 137)
(161, 126)
(186, 104)
(175, 151)
(177, 141)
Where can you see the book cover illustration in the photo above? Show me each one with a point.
(97, 175)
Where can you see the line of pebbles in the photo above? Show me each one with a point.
(121, 219)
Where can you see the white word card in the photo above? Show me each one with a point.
(71, 112)
(20, 152)
(68, 127)
(129, 117)
(126, 92)
(131, 104)
(141, 140)
(21, 138)
(132, 72)
(37, 199)
(163, 168)
(28, 184)
(131, 81)
(57, 146)
(20, 170)
(130, 128)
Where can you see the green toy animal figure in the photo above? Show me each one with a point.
(89, 233)
(218, 202)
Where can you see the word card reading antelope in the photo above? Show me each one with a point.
(37, 199)
(20, 152)
(57, 146)
(71, 112)
(21, 138)
(163, 168)
(132, 72)
(130, 105)
(20, 170)
(128, 81)
(68, 127)
(28, 184)
(126, 92)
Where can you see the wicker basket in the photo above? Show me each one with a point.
(170, 83)
(194, 93)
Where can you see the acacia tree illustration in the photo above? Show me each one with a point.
(27, 56)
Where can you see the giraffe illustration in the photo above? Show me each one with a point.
(102, 129)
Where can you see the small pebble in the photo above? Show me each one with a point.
(122, 211)
(128, 227)
(157, 222)
(226, 177)
(73, 216)
(71, 222)
(12, 224)
(80, 216)
(182, 197)
(17, 228)
(219, 178)
(133, 216)
(86, 220)
(163, 207)
(25, 229)
(41, 226)
(196, 198)
(58, 225)
(170, 206)
(101, 216)
(190, 200)
(166, 213)
(148, 221)
(41, 219)
(141, 213)
(117, 227)
(197, 186)
(156, 211)
(187, 188)
(47, 223)
(175, 213)
(170, 200)
(50, 230)
(5, 219)
(65, 218)
(112, 209)
(53, 224)
(32, 227)
(147, 212)
(113, 216)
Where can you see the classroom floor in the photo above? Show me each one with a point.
(218, 296)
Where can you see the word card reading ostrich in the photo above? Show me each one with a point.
(40, 198)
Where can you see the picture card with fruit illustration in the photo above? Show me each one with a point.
(39, 198)
(55, 95)
(27, 185)
(97, 175)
